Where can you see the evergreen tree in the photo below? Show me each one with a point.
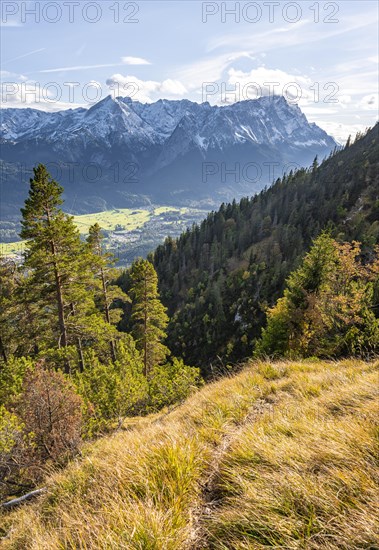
(7, 303)
(148, 315)
(276, 227)
(43, 226)
(59, 267)
(106, 294)
(20, 319)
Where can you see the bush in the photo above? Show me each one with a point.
(41, 426)
(51, 411)
(171, 383)
(328, 308)
(12, 376)
(112, 391)
(12, 446)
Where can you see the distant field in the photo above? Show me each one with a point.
(108, 220)
(10, 249)
(128, 218)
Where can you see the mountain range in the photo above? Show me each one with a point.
(121, 152)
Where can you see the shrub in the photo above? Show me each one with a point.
(171, 383)
(51, 411)
(114, 390)
(12, 445)
(12, 375)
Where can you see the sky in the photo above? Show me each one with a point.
(322, 56)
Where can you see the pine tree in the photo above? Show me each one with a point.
(107, 294)
(7, 287)
(59, 267)
(20, 320)
(148, 315)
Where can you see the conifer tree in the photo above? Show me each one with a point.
(60, 270)
(7, 270)
(20, 319)
(148, 315)
(106, 294)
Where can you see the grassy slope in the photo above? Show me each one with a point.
(282, 455)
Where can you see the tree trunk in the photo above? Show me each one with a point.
(2, 351)
(107, 315)
(58, 283)
(79, 344)
(62, 342)
(61, 319)
(145, 331)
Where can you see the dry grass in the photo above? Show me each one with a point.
(282, 455)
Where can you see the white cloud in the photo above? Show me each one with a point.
(172, 87)
(369, 103)
(264, 81)
(78, 68)
(292, 34)
(123, 61)
(344, 100)
(135, 61)
(53, 107)
(355, 65)
(309, 111)
(145, 91)
(272, 38)
(13, 76)
(209, 70)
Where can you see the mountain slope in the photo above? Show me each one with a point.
(172, 151)
(218, 278)
(244, 463)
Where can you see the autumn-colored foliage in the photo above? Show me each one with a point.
(328, 305)
(43, 429)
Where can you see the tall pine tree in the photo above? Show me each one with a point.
(59, 266)
(106, 294)
(148, 315)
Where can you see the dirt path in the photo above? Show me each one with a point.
(210, 496)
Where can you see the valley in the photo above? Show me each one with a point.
(129, 232)
(125, 153)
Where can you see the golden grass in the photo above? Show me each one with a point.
(282, 455)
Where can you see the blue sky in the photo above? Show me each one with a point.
(321, 55)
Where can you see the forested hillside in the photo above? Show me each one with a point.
(218, 279)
